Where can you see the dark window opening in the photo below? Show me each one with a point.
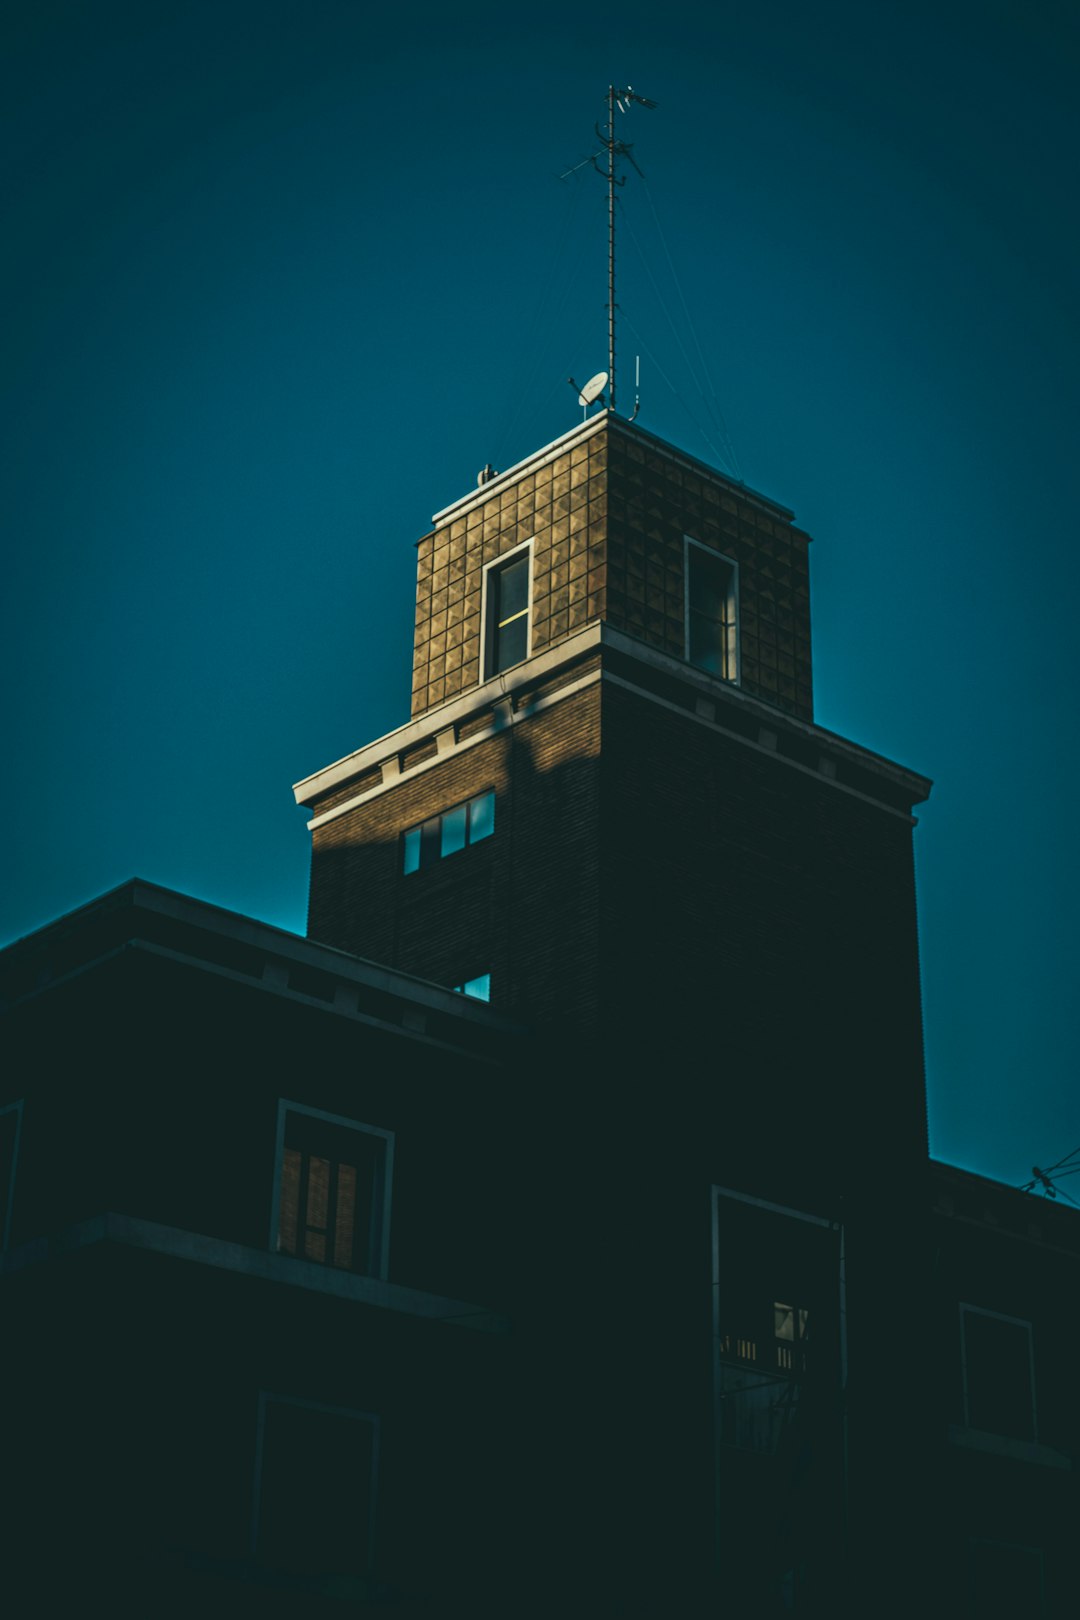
(333, 1181)
(711, 612)
(315, 1494)
(508, 615)
(1006, 1581)
(762, 1358)
(9, 1141)
(445, 834)
(999, 1389)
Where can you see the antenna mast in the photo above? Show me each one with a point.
(615, 149)
(611, 183)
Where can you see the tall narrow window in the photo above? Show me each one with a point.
(999, 1383)
(10, 1121)
(333, 1193)
(711, 611)
(314, 1497)
(507, 628)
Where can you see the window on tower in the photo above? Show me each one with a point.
(333, 1190)
(712, 596)
(445, 834)
(506, 611)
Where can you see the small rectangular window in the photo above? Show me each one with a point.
(479, 988)
(316, 1469)
(333, 1190)
(506, 613)
(411, 850)
(481, 817)
(455, 830)
(10, 1125)
(447, 833)
(999, 1384)
(711, 611)
(1006, 1581)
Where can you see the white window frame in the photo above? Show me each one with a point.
(15, 1108)
(734, 676)
(487, 630)
(716, 1193)
(1016, 1321)
(381, 1242)
(266, 1398)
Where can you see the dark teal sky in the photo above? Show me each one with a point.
(278, 279)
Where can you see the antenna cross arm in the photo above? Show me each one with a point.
(628, 95)
(605, 175)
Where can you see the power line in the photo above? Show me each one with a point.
(719, 454)
(721, 423)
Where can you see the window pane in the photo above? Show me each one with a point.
(997, 1358)
(9, 1124)
(315, 1492)
(481, 817)
(1006, 1581)
(709, 582)
(511, 643)
(710, 628)
(411, 841)
(430, 841)
(479, 988)
(755, 1410)
(332, 1191)
(453, 830)
(345, 1216)
(318, 1193)
(290, 1201)
(784, 1318)
(513, 589)
(707, 644)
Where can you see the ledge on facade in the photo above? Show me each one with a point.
(598, 652)
(144, 917)
(1003, 1211)
(130, 1232)
(1000, 1445)
(582, 431)
(353, 1589)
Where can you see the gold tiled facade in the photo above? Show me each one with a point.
(608, 516)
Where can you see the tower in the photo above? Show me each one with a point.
(612, 802)
(612, 812)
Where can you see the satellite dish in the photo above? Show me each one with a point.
(593, 388)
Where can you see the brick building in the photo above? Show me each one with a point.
(553, 1230)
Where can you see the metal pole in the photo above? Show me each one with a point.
(611, 246)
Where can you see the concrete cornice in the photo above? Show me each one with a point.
(452, 713)
(584, 431)
(165, 923)
(654, 675)
(127, 1231)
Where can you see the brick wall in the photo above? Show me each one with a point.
(607, 518)
(766, 921)
(522, 904)
(668, 888)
